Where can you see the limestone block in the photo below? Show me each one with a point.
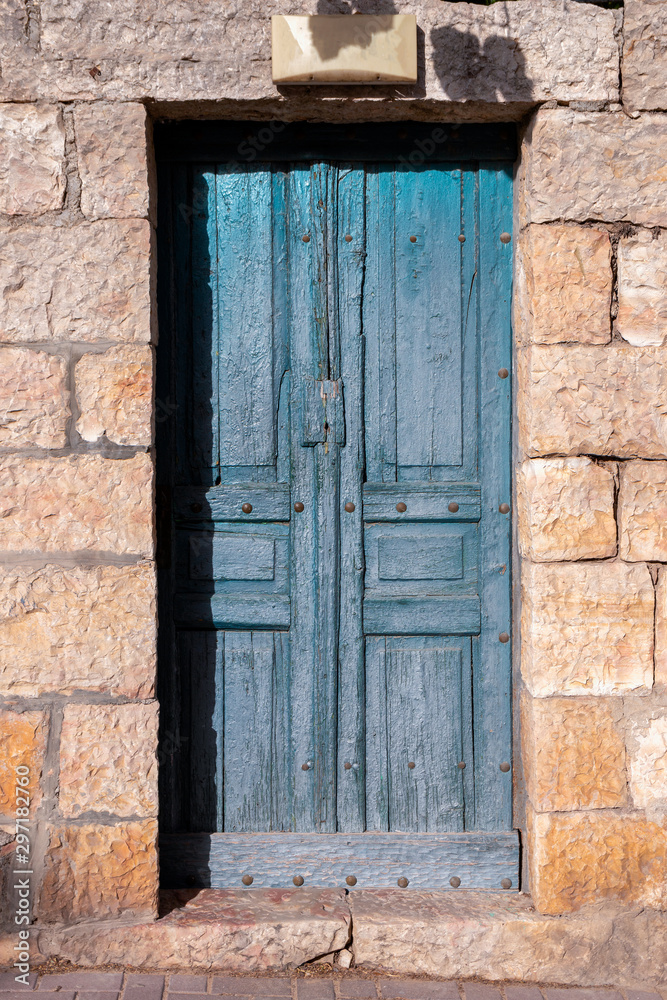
(587, 628)
(114, 392)
(108, 761)
(647, 757)
(84, 283)
(645, 55)
(111, 144)
(34, 399)
(78, 502)
(593, 401)
(566, 510)
(32, 165)
(642, 289)
(642, 504)
(225, 929)
(78, 629)
(22, 744)
(99, 871)
(568, 281)
(591, 857)
(580, 165)
(661, 629)
(573, 753)
(505, 54)
(499, 935)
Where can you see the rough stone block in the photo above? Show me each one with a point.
(108, 760)
(114, 392)
(78, 629)
(100, 871)
(642, 503)
(83, 283)
(645, 55)
(568, 283)
(510, 54)
(34, 399)
(580, 165)
(500, 936)
(587, 628)
(642, 289)
(566, 510)
(223, 929)
(593, 401)
(32, 165)
(22, 744)
(661, 629)
(590, 857)
(111, 145)
(77, 502)
(647, 758)
(573, 753)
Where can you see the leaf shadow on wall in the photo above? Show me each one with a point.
(469, 70)
(328, 47)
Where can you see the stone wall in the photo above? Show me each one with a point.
(80, 81)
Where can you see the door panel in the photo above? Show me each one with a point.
(337, 570)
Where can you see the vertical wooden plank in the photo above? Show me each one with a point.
(379, 325)
(492, 672)
(377, 764)
(424, 729)
(314, 532)
(281, 357)
(428, 321)
(351, 682)
(247, 406)
(248, 742)
(469, 265)
(200, 657)
(282, 776)
(203, 398)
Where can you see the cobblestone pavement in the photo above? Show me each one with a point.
(346, 986)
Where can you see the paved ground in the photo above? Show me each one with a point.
(322, 986)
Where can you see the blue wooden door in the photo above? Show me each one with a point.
(334, 497)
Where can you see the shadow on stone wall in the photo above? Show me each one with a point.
(467, 68)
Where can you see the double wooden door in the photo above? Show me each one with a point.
(334, 498)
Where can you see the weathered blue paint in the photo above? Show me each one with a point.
(376, 860)
(329, 340)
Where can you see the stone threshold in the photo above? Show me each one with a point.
(451, 935)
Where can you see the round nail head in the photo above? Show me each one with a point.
(506, 883)
(401, 507)
(298, 506)
(453, 507)
(348, 238)
(462, 238)
(247, 508)
(455, 882)
(413, 239)
(402, 882)
(462, 765)
(351, 880)
(505, 238)
(298, 880)
(347, 765)
(306, 238)
(504, 767)
(503, 373)
(349, 507)
(247, 880)
(504, 637)
(504, 508)
(411, 765)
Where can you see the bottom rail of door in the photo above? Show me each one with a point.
(356, 860)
